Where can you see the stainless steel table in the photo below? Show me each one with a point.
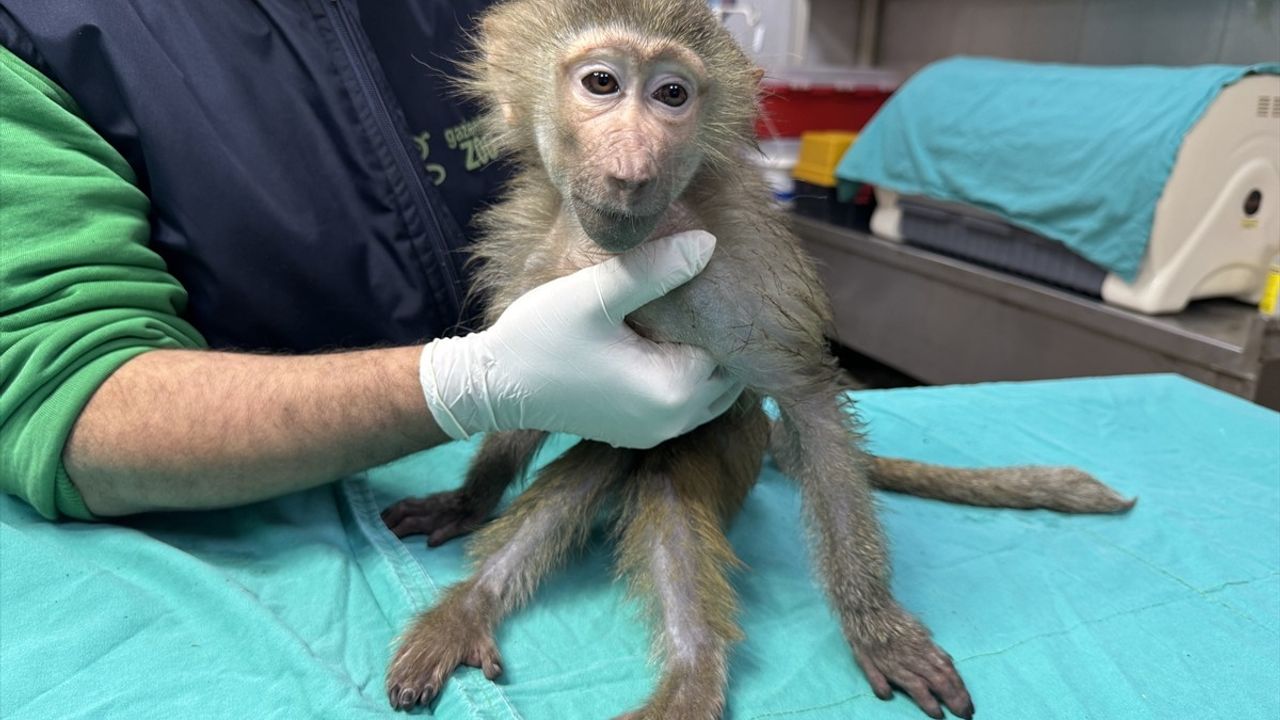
(944, 320)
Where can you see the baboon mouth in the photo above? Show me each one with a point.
(609, 214)
(620, 212)
(612, 229)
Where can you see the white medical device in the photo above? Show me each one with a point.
(1217, 222)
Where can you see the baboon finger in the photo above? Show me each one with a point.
(397, 512)
(442, 535)
(412, 525)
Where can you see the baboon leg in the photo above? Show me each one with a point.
(510, 556)
(674, 552)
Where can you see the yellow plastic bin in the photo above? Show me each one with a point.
(816, 193)
(820, 153)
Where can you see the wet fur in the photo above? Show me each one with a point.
(758, 308)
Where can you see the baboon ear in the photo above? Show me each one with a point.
(491, 27)
(499, 31)
(509, 116)
(758, 75)
(502, 60)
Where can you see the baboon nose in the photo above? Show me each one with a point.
(629, 171)
(628, 185)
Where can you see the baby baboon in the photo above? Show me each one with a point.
(629, 120)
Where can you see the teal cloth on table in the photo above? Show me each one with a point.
(1075, 153)
(287, 609)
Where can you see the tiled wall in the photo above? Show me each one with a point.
(1168, 32)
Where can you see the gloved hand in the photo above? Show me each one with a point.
(560, 358)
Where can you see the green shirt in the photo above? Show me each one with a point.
(80, 291)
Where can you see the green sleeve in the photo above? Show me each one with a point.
(80, 291)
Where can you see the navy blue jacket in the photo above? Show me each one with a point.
(291, 150)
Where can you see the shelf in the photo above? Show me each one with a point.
(945, 321)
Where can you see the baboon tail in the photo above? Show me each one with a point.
(1064, 489)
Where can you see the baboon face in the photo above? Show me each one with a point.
(624, 144)
(620, 102)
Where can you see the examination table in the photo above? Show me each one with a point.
(288, 608)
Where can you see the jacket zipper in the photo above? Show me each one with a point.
(348, 36)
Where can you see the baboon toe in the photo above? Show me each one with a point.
(407, 697)
(416, 676)
(484, 655)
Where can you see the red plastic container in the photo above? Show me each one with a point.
(798, 101)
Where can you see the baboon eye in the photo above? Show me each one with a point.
(672, 94)
(600, 83)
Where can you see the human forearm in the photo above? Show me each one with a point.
(192, 429)
(174, 429)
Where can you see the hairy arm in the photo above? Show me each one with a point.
(108, 404)
(198, 429)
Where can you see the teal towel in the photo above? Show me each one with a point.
(287, 609)
(1077, 154)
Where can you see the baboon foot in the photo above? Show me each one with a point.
(441, 640)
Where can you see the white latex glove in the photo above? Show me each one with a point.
(561, 359)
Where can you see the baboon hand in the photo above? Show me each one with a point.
(907, 658)
(441, 517)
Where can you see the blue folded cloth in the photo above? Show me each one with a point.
(1078, 154)
(288, 608)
